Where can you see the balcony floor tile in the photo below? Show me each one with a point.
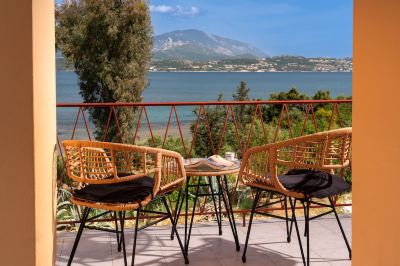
(267, 245)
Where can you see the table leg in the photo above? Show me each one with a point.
(231, 208)
(219, 201)
(223, 185)
(215, 206)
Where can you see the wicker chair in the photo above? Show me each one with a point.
(320, 154)
(118, 178)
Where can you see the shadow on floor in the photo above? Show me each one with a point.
(267, 246)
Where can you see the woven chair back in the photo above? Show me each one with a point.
(325, 151)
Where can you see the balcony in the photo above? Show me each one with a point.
(195, 130)
(28, 140)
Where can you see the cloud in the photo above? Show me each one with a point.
(176, 11)
(161, 9)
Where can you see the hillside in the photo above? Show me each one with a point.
(196, 45)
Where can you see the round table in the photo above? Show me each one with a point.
(195, 175)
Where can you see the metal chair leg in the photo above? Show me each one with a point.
(289, 229)
(291, 226)
(293, 207)
(250, 223)
(122, 223)
(135, 236)
(176, 232)
(79, 234)
(305, 217)
(307, 229)
(288, 232)
(186, 210)
(177, 212)
(341, 228)
(192, 218)
(117, 232)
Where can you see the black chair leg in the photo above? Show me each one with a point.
(289, 235)
(192, 217)
(117, 232)
(186, 210)
(288, 230)
(135, 236)
(341, 228)
(305, 217)
(307, 229)
(177, 212)
(79, 234)
(257, 197)
(176, 232)
(122, 241)
(293, 207)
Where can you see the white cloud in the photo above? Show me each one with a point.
(177, 11)
(161, 9)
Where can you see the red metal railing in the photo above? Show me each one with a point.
(308, 106)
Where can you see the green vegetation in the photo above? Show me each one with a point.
(109, 45)
(264, 128)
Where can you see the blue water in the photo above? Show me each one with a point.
(205, 86)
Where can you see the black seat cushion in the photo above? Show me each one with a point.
(314, 183)
(123, 192)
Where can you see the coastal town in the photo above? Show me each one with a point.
(267, 64)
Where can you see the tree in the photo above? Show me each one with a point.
(215, 119)
(109, 44)
(241, 111)
(322, 95)
(273, 111)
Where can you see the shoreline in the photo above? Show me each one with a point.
(64, 132)
(217, 71)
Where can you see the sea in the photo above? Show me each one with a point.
(205, 86)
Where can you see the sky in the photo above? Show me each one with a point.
(310, 28)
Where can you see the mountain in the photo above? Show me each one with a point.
(196, 45)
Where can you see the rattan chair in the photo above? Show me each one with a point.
(118, 178)
(310, 163)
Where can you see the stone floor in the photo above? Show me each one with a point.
(267, 245)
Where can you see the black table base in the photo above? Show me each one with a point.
(217, 195)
